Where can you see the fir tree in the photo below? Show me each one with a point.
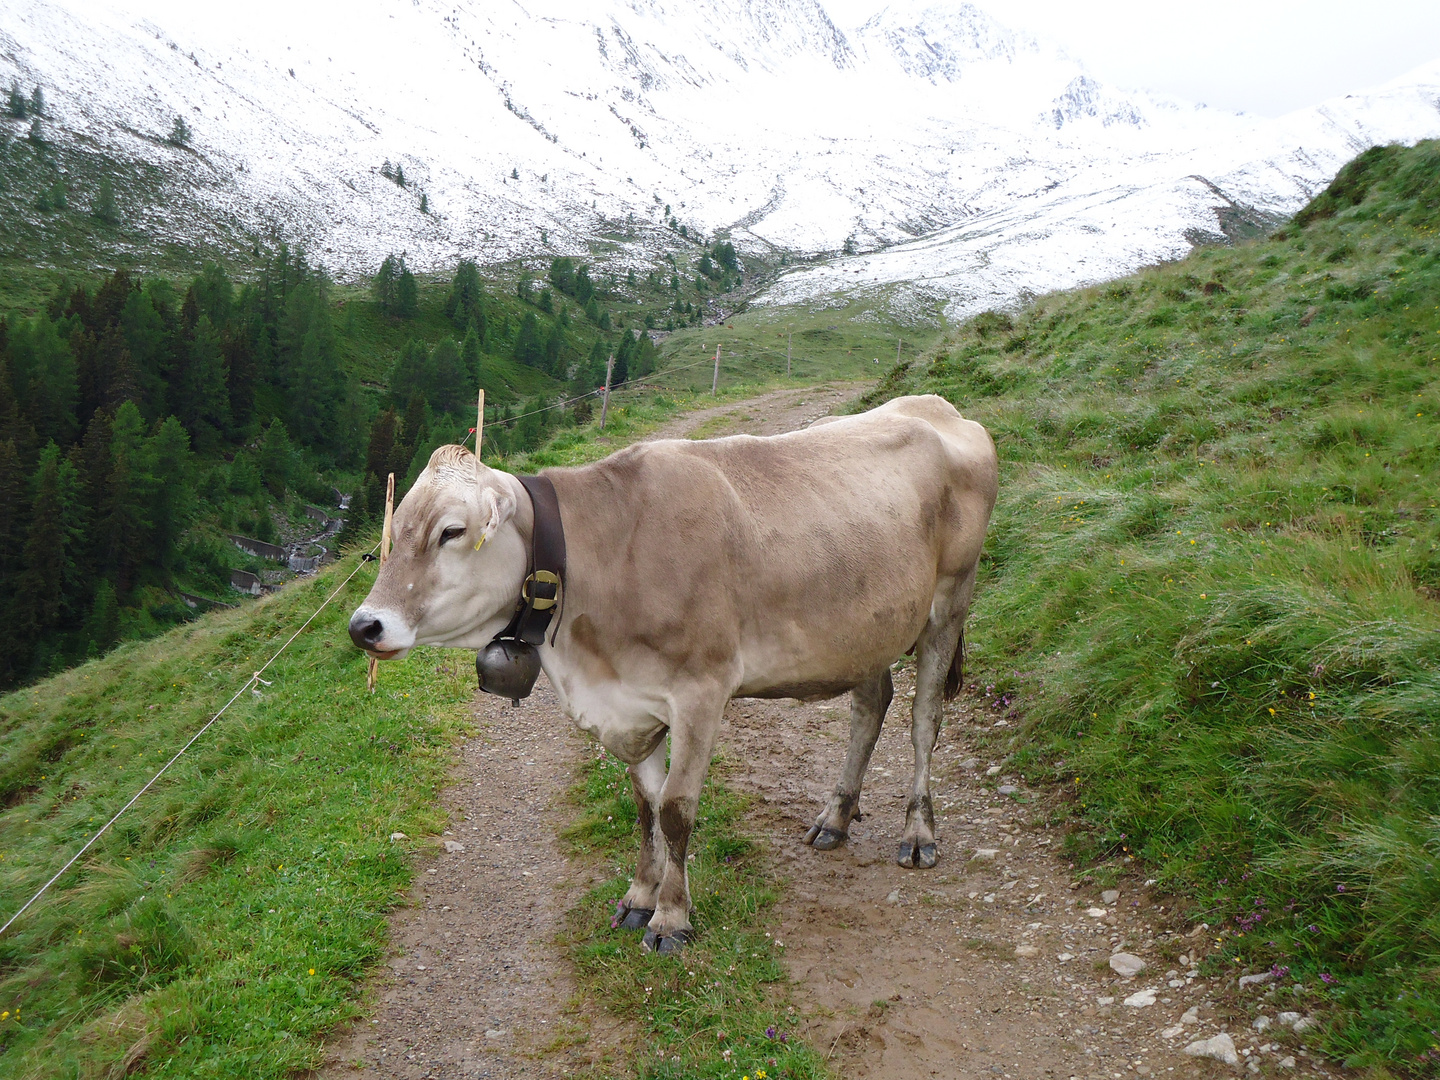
(382, 443)
(102, 625)
(180, 133)
(16, 106)
(37, 132)
(203, 396)
(554, 344)
(37, 102)
(400, 175)
(105, 211)
(470, 358)
(424, 204)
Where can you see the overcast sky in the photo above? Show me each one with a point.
(1260, 56)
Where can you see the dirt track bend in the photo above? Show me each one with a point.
(989, 966)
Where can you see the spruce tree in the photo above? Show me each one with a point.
(37, 132)
(203, 397)
(16, 106)
(173, 505)
(407, 293)
(400, 175)
(383, 287)
(180, 133)
(277, 459)
(470, 358)
(424, 204)
(105, 211)
(49, 581)
(382, 443)
(102, 625)
(37, 102)
(529, 349)
(124, 507)
(466, 301)
(554, 343)
(446, 386)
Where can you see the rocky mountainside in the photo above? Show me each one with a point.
(977, 162)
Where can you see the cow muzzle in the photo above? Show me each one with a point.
(382, 634)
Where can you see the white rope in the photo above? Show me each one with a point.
(254, 678)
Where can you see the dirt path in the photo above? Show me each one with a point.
(990, 965)
(476, 986)
(768, 414)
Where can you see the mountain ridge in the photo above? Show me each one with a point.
(532, 133)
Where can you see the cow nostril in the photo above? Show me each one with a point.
(365, 632)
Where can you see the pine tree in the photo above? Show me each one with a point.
(318, 394)
(37, 102)
(180, 133)
(37, 132)
(13, 516)
(105, 211)
(409, 374)
(203, 396)
(424, 204)
(45, 379)
(16, 106)
(400, 175)
(407, 293)
(382, 443)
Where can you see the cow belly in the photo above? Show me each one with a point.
(624, 722)
(804, 691)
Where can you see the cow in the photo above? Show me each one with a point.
(800, 565)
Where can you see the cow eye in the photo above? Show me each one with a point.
(451, 532)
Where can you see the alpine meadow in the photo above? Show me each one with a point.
(1184, 811)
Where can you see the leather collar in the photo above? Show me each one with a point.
(540, 594)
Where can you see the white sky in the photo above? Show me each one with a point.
(1260, 56)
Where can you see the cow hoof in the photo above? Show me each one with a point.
(823, 838)
(916, 857)
(670, 943)
(635, 918)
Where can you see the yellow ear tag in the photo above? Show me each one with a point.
(479, 542)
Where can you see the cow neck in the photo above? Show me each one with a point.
(540, 593)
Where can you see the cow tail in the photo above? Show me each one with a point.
(955, 677)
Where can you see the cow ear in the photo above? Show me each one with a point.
(496, 508)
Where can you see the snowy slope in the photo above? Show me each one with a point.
(983, 162)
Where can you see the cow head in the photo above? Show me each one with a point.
(458, 561)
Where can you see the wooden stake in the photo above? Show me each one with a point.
(373, 668)
(715, 382)
(479, 426)
(898, 343)
(605, 407)
(788, 345)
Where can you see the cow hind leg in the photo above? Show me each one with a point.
(937, 679)
(868, 703)
(638, 905)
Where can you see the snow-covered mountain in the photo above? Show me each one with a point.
(967, 158)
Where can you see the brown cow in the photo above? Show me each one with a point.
(798, 565)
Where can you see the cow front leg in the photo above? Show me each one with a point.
(692, 740)
(868, 703)
(646, 781)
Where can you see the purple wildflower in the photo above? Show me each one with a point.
(770, 1032)
(1328, 979)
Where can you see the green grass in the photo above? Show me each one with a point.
(1211, 585)
(727, 990)
(834, 341)
(227, 921)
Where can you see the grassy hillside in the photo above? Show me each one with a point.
(1211, 593)
(225, 923)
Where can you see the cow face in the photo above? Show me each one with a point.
(457, 565)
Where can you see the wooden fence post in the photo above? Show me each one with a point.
(788, 345)
(715, 382)
(605, 406)
(373, 668)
